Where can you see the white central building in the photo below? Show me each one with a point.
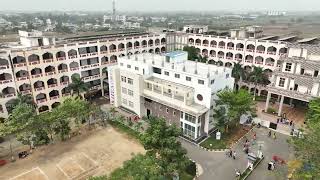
(171, 87)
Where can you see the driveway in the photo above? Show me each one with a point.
(217, 166)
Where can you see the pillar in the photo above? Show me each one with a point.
(280, 106)
(267, 102)
(259, 92)
(291, 101)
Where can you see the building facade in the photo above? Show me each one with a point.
(171, 87)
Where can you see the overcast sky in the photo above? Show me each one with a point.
(161, 5)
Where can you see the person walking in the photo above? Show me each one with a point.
(274, 136)
(234, 155)
(269, 134)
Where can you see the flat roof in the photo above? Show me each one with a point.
(175, 53)
(286, 38)
(307, 39)
(268, 37)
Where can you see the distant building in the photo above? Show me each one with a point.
(195, 29)
(247, 32)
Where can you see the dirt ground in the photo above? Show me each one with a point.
(98, 152)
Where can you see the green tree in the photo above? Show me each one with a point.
(78, 85)
(160, 141)
(220, 117)
(21, 99)
(258, 77)
(307, 148)
(237, 103)
(238, 73)
(193, 54)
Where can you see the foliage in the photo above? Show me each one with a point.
(307, 147)
(193, 54)
(21, 99)
(271, 110)
(237, 103)
(220, 116)
(238, 72)
(258, 76)
(160, 141)
(118, 125)
(78, 85)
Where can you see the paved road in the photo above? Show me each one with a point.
(217, 166)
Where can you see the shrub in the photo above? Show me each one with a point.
(271, 110)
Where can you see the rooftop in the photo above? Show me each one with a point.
(174, 54)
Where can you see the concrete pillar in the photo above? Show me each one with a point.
(280, 106)
(259, 92)
(291, 101)
(267, 102)
(278, 100)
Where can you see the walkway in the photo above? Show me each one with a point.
(217, 166)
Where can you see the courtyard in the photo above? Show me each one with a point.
(96, 152)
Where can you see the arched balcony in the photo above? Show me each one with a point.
(144, 43)
(163, 49)
(49, 70)
(222, 45)
(62, 68)
(64, 80)
(219, 63)
(54, 94)
(230, 45)
(228, 64)
(137, 52)
(22, 75)
(213, 43)
(19, 61)
(47, 57)
(5, 78)
(66, 91)
(121, 55)
(283, 51)
(61, 55)
(25, 88)
(150, 43)
(74, 66)
(220, 54)
(36, 72)
(272, 50)
(72, 54)
(121, 47)
(213, 53)
(52, 82)
(250, 48)
(136, 44)
(211, 61)
(191, 41)
(259, 60)
(38, 86)
(205, 52)
(43, 109)
(40, 98)
(229, 56)
(33, 59)
(151, 51)
(163, 41)
(198, 42)
(247, 68)
(4, 64)
(104, 60)
(157, 42)
(239, 47)
(8, 92)
(157, 50)
(103, 49)
(54, 105)
(113, 48)
(129, 45)
(261, 49)
(249, 59)
(129, 54)
(113, 59)
(238, 57)
(205, 43)
(270, 62)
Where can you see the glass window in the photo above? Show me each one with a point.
(130, 81)
(188, 78)
(130, 104)
(177, 75)
(123, 79)
(124, 90)
(212, 81)
(181, 115)
(136, 68)
(288, 66)
(200, 81)
(130, 92)
(166, 73)
(281, 82)
(129, 66)
(167, 110)
(190, 118)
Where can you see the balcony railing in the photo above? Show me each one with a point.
(95, 87)
(221, 47)
(6, 81)
(39, 101)
(4, 67)
(20, 65)
(63, 70)
(239, 49)
(50, 73)
(206, 45)
(39, 88)
(37, 75)
(34, 62)
(129, 48)
(92, 77)
(52, 85)
(48, 60)
(73, 57)
(103, 52)
(66, 94)
(259, 62)
(113, 50)
(231, 48)
(89, 54)
(272, 52)
(64, 83)
(269, 64)
(9, 95)
(74, 69)
(121, 49)
(22, 78)
(24, 92)
(248, 61)
(260, 52)
(61, 58)
(54, 97)
(229, 58)
(214, 46)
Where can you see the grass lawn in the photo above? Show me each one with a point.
(227, 139)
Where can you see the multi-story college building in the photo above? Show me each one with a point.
(171, 87)
(43, 67)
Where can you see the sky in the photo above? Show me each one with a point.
(160, 5)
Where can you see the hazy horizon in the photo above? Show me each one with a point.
(160, 5)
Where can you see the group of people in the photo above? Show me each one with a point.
(232, 154)
(272, 134)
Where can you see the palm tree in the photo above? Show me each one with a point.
(258, 76)
(77, 85)
(238, 72)
(23, 99)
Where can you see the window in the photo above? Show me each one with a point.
(190, 118)
(129, 66)
(288, 67)
(212, 81)
(281, 82)
(124, 90)
(167, 110)
(123, 79)
(188, 78)
(130, 81)
(130, 92)
(130, 104)
(177, 75)
(121, 64)
(136, 68)
(156, 70)
(143, 71)
(316, 73)
(124, 101)
(174, 113)
(302, 71)
(181, 115)
(227, 76)
(200, 81)
(166, 73)
(189, 130)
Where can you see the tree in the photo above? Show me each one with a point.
(26, 99)
(237, 103)
(258, 76)
(77, 85)
(193, 54)
(160, 141)
(307, 147)
(220, 117)
(238, 72)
